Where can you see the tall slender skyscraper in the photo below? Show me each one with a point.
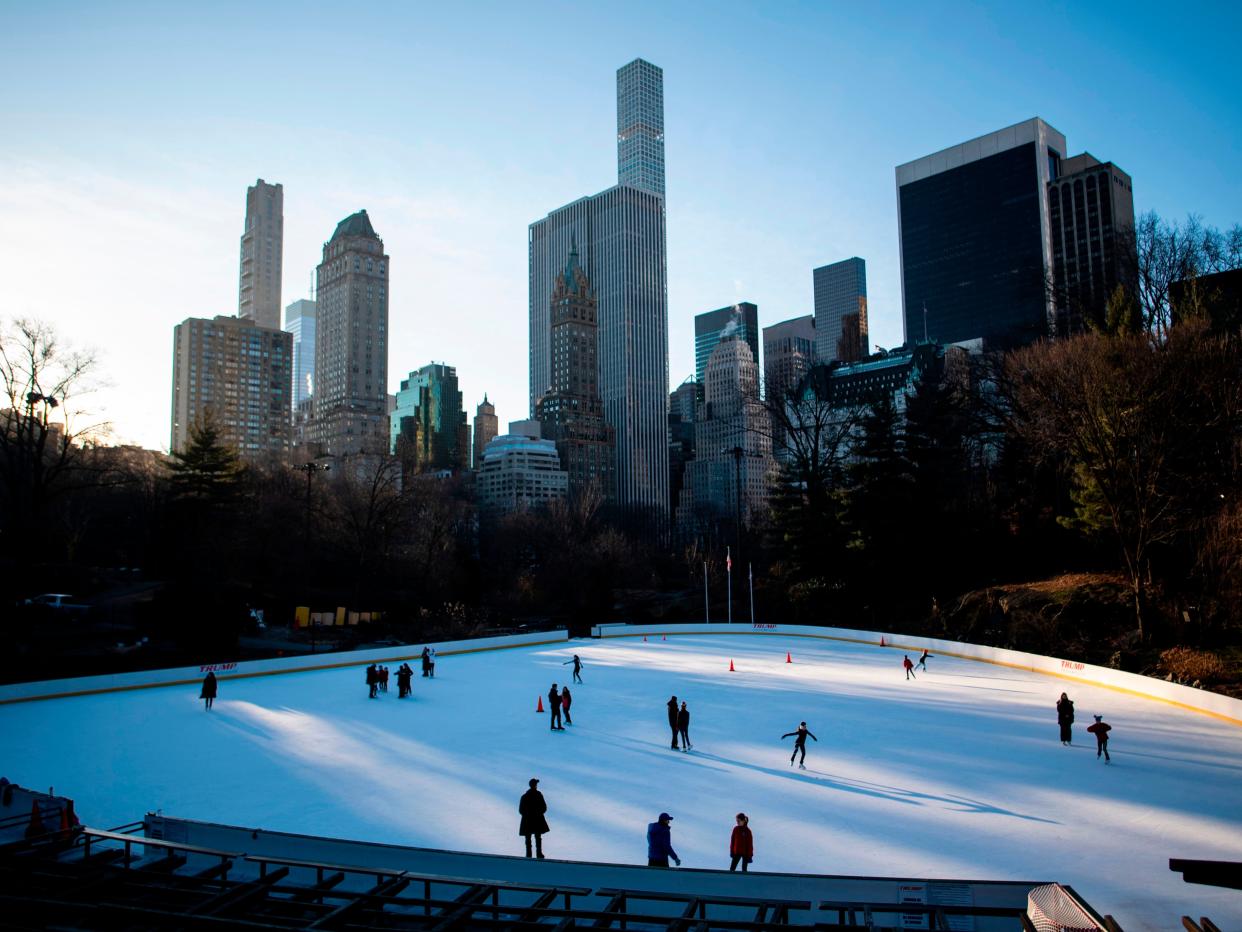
(841, 311)
(640, 126)
(976, 252)
(486, 426)
(620, 234)
(262, 244)
(351, 342)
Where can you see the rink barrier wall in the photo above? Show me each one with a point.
(1186, 697)
(243, 669)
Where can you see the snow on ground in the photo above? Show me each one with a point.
(959, 774)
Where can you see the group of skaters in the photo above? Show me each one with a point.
(533, 825)
(910, 665)
(377, 676)
(1099, 728)
(560, 698)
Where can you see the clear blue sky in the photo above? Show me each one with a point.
(129, 132)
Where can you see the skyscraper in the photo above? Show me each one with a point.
(976, 252)
(486, 426)
(841, 311)
(300, 321)
(351, 342)
(571, 414)
(620, 234)
(733, 465)
(1091, 215)
(640, 126)
(262, 244)
(238, 375)
(742, 319)
(788, 354)
(428, 427)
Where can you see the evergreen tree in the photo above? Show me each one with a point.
(206, 471)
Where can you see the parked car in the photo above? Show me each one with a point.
(60, 601)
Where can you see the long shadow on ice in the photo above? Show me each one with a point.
(879, 790)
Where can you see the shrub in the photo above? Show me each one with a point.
(1187, 664)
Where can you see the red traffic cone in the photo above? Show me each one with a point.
(663, 637)
(731, 670)
(644, 639)
(788, 659)
(35, 827)
(540, 706)
(882, 644)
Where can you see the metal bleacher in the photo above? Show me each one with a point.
(76, 877)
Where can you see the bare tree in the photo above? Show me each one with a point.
(41, 437)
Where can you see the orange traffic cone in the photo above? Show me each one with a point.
(35, 827)
(788, 659)
(540, 707)
(882, 644)
(663, 637)
(731, 670)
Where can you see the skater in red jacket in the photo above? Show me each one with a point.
(909, 665)
(1101, 729)
(741, 844)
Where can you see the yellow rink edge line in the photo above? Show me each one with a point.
(243, 676)
(945, 653)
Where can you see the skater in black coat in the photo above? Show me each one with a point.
(577, 668)
(208, 694)
(532, 807)
(1101, 729)
(683, 726)
(554, 707)
(372, 681)
(403, 680)
(426, 662)
(1065, 718)
(922, 664)
(799, 737)
(672, 719)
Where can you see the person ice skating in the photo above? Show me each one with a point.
(431, 662)
(799, 737)
(672, 720)
(566, 700)
(554, 707)
(404, 673)
(683, 726)
(660, 842)
(1065, 718)
(577, 668)
(909, 665)
(372, 681)
(208, 693)
(1101, 729)
(922, 664)
(532, 808)
(383, 678)
(426, 655)
(741, 844)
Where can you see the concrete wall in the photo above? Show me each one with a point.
(146, 679)
(1187, 697)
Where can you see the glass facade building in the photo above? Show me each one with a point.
(300, 321)
(620, 235)
(741, 319)
(841, 311)
(976, 255)
(640, 126)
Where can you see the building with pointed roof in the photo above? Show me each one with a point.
(486, 427)
(350, 403)
(571, 413)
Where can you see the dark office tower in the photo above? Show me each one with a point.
(640, 126)
(788, 355)
(621, 242)
(262, 244)
(975, 249)
(351, 342)
(741, 320)
(571, 414)
(681, 405)
(841, 311)
(1091, 213)
(486, 427)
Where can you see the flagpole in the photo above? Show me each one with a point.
(707, 612)
(729, 570)
(750, 574)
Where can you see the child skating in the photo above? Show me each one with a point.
(1101, 729)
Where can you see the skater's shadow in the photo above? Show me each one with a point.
(663, 752)
(894, 794)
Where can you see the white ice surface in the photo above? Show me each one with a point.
(959, 774)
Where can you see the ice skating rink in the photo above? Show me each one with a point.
(959, 774)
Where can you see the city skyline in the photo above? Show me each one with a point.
(108, 169)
